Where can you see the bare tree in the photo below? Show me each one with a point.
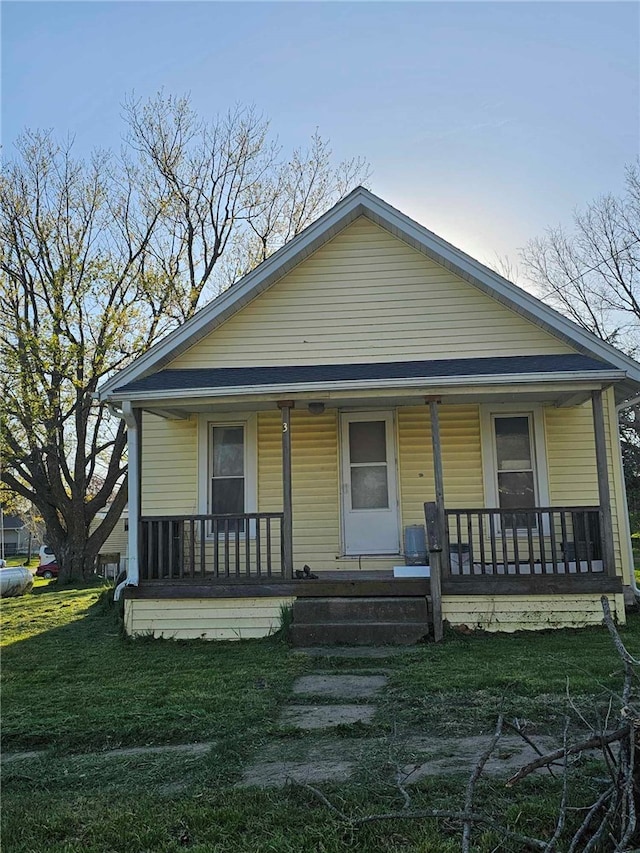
(592, 274)
(74, 263)
(231, 192)
(98, 259)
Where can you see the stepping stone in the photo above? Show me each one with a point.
(188, 748)
(447, 756)
(353, 652)
(326, 716)
(340, 686)
(276, 774)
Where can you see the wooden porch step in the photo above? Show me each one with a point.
(315, 611)
(359, 621)
(359, 634)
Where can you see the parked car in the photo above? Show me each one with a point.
(48, 567)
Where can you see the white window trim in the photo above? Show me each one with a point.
(489, 461)
(250, 424)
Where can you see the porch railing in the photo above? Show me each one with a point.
(244, 546)
(531, 541)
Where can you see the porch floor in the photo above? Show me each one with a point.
(328, 583)
(379, 582)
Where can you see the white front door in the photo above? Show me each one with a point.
(369, 492)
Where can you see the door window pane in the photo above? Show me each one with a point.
(367, 442)
(369, 488)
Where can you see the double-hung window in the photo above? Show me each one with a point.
(515, 466)
(514, 462)
(227, 468)
(227, 454)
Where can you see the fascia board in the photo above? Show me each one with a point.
(594, 377)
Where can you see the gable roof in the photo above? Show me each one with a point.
(361, 202)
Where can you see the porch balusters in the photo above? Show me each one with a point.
(531, 541)
(247, 546)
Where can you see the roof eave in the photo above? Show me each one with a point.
(595, 378)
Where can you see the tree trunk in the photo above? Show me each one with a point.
(75, 559)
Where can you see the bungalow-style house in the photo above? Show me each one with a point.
(306, 415)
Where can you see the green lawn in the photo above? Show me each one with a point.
(21, 560)
(74, 687)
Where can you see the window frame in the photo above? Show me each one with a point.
(535, 415)
(206, 424)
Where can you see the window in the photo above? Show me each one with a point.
(515, 471)
(227, 464)
(514, 460)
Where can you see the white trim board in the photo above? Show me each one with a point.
(594, 380)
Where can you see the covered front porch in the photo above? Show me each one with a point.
(550, 549)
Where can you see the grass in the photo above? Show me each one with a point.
(21, 560)
(74, 687)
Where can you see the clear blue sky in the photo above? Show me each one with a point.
(486, 121)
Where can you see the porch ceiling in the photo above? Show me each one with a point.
(556, 394)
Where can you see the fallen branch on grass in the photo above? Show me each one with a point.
(424, 814)
(550, 758)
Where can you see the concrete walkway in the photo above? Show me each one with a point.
(334, 715)
(334, 702)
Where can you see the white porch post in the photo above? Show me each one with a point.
(604, 492)
(133, 420)
(438, 547)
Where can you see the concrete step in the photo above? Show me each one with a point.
(319, 611)
(358, 633)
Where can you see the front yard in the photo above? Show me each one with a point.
(74, 689)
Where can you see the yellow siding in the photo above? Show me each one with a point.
(204, 619)
(316, 476)
(170, 472)
(315, 482)
(366, 297)
(170, 466)
(527, 612)
(461, 459)
(573, 476)
(235, 619)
